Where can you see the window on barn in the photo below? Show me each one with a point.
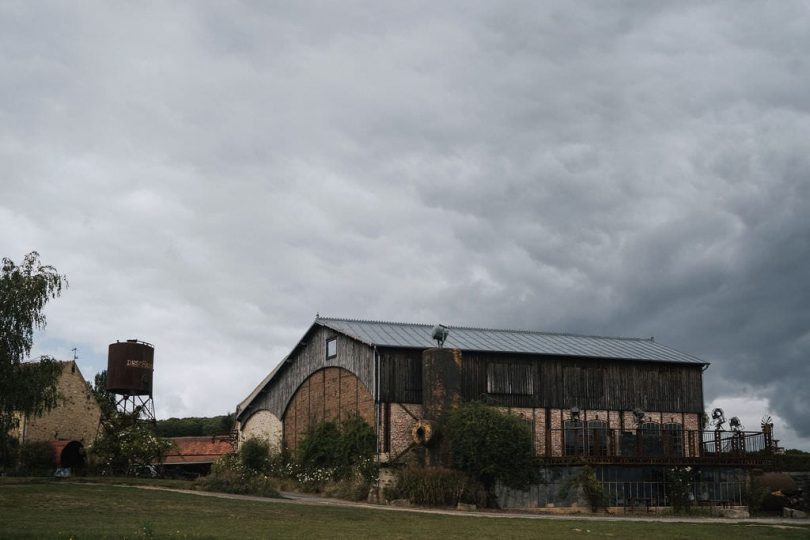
(651, 442)
(574, 437)
(597, 438)
(510, 378)
(331, 348)
(672, 438)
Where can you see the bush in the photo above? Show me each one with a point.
(434, 486)
(491, 445)
(255, 455)
(332, 451)
(230, 475)
(321, 448)
(681, 481)
(127, 445)
(592, 488)
(353, 489)
(36, 457)
(9, 452)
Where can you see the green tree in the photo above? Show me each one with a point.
(24, 388)
(105, 399)
(491, 445)
(195, 426)
(127, 444)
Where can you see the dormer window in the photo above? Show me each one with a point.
(331, 348)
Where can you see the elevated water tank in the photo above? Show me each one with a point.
(130, 365)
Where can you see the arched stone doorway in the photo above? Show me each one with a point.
(68, 454)
(331, 393)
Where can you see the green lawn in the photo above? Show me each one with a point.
(64, 510)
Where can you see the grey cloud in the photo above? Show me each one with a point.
(210, 177)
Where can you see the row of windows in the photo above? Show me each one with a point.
(596, 439)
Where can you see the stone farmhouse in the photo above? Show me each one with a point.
(72, 425)
(629, 407)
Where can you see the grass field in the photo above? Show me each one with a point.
(68, 510)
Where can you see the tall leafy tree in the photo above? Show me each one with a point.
(105, 399)
(27, 388)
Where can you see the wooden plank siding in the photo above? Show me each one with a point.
(553, 381)
(400, 375)
(352, 355)
(590, 384)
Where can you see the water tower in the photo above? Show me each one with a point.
(130, 366)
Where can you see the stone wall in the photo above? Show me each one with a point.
(556, 488)
(402, 419)
(262, 425)
(76, 416)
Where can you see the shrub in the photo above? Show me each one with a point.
(353, 489)
(491, 445)
(332, 451)
(357, 441)
(434, 486)
(321, 447)
(230, 475)
(680, 481)
(9, 451)
(36, 457)
(127, 445)
(255, 455)
(592, 488)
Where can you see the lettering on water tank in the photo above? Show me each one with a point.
(142, 364)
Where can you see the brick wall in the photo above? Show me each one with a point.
(617, 420)
(76, 416)
(331, 393)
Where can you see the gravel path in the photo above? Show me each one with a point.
(303, 498)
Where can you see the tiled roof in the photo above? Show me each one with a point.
(409, 335)
(188, 450)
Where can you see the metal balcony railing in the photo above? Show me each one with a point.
(590, 442)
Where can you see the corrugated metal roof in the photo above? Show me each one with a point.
(407, 335)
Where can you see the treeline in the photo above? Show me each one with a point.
(195, 426)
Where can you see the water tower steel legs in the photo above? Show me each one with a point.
(129, 404)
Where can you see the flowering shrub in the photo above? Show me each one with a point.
(679, 486)
(229, 474)
(333, 451)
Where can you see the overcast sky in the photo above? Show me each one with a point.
(211, 175)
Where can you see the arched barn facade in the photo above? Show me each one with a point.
(331, 393)
(624, 405)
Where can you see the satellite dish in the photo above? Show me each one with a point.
(440, 333)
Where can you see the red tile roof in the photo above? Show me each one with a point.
(188, 450)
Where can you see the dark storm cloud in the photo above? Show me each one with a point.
(211, 176)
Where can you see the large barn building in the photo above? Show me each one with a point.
(608, 401)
